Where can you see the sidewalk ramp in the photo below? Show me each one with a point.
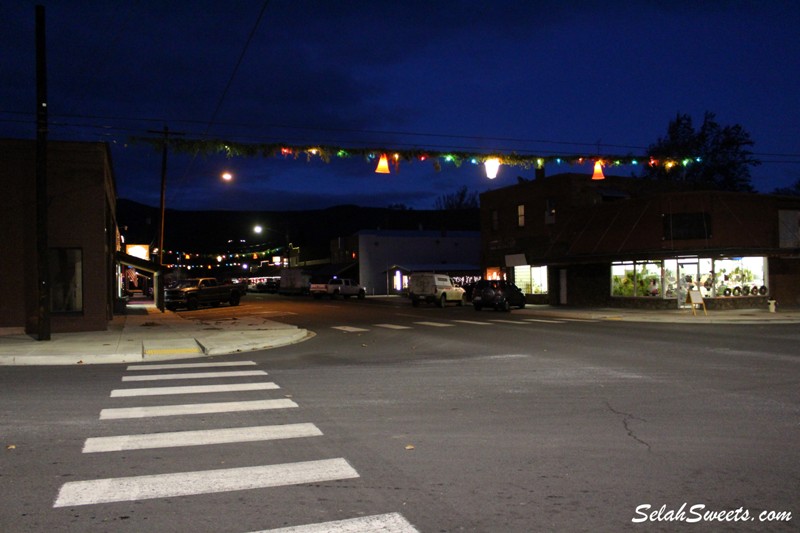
(170, 348)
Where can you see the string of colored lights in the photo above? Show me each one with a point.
(386, 156)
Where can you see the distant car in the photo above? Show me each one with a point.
(434, 288)
(500, 295)
(270, 285)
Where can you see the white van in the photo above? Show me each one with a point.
(434, 288)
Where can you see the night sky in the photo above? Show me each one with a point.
(535, 77)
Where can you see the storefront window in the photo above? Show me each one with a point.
(673, 278)
(622, 279)
(494, 273)
(531, 280)
(740, 276)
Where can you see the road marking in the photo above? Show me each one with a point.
(543, 320)
(201, 482)
(176, 439)
(579, 320)
(189, 365)
(503, 321)
(349, 329)
(193, 389)
(434, 324)
(472, 322)
(196, 375)
(383, 523)
(391, 326)
(194, 409)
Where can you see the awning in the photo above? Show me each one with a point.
(513, 260)
(136, 262)
(435, 267)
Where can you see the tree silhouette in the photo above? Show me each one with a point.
(713, 157)
(793, 190)
(461, 199)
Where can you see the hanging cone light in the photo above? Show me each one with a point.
(492, 166)
(598, 171)
(383, 165)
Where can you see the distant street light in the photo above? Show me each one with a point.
(227, 176)
(258, 229)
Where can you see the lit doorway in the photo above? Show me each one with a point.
(688, 278)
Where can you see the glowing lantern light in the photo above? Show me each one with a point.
(383, 165)
(598, 171)
(492, 166)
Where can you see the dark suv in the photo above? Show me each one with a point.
(498, 294)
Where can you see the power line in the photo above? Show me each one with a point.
(261, 138)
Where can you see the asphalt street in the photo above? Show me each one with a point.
(430, 419)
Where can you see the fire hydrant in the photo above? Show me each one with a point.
(772, 304)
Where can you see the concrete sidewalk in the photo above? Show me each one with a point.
(674, 316)
(146, 334)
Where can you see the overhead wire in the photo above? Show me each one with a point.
(224, 94)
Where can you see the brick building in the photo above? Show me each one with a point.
(81, 231)
(568, 240)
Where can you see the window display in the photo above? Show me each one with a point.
(531, 280)
(673, 278)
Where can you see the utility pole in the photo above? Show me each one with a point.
(163, 196)
(158, 289)
(42, 262)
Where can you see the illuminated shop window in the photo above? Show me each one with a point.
(673, 278)
(531, 280)
(740, 276)
(637, 279)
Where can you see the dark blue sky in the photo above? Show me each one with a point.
(537, 77)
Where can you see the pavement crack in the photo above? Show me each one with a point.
(626, 418)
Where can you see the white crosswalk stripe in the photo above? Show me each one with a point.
(196, 375)
(175, 484)
(434, 324)
(544, 320)
(503, 321)
(383, 523)
(473, 322)
(194, 409)
(147, 487)
(350, 329)
(391, 326)
(172, 366)
(203, 437)
(192, 389)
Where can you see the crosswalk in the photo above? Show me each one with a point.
(211, 480)
(453, 323)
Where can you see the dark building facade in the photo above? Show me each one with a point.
(568, 240)
(81, 232)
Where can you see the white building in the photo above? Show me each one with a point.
(386, 257)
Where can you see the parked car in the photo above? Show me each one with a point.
(498, 294)
(434, 288)
(338, 287)
(192, 293)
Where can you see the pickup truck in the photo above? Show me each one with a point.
(337, 287)
(194, 292)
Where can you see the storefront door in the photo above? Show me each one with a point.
(688, 276)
